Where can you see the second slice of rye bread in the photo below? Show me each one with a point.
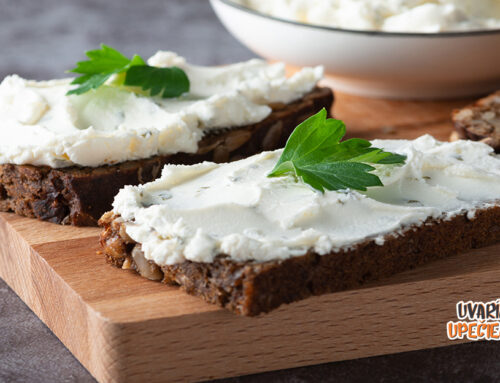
(80, 195)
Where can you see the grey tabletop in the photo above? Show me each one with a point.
(43, 38)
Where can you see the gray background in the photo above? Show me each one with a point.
(40, 39)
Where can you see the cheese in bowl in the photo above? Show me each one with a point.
(425, 16)
(403, 49)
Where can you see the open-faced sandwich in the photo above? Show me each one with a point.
(67, 147)
(321, 215)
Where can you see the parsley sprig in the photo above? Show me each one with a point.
(315, 154)
(107, 61)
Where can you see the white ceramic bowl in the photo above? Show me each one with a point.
(377, 64)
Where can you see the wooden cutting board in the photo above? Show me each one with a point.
(128, 329)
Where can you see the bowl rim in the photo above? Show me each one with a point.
(243, 8)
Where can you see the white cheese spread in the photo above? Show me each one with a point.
(421, 16)
(41, 125)
(196, 212)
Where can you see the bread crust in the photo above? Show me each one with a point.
(480, 121)
(250, 288)
(80, 195)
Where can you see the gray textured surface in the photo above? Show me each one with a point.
(41, 39)
(29, 352)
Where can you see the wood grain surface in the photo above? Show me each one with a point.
(125, 328)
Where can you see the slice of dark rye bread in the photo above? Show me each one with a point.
(480, 121)
(80, 195)
(252, 288)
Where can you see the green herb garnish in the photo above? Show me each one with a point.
(105, 62)
(315, 154)
(170, 82)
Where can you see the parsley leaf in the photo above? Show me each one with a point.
(315, 154)
(338, 175)
(170, 82)
(107, 61)
(102, 65)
